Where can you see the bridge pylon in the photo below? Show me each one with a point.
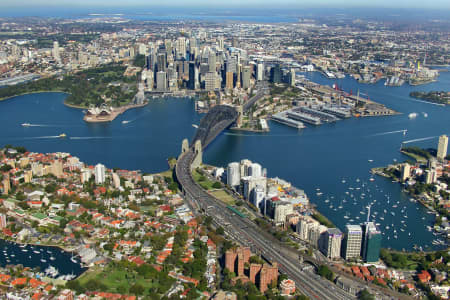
(184, 146)
(198, 154)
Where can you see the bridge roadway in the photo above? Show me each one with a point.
(247, 233)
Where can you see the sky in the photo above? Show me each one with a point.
(298, 4)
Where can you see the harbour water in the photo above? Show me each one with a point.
(40, 256)
(333, 158)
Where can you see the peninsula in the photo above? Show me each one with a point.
(439, 97)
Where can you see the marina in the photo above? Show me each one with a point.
(52, 261)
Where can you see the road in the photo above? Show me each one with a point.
(246, 233)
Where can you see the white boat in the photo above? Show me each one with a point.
(37, 252)
(412, 115)
(319, 194)
(52, 258)
(372, 179)
(194, 125)
(125, 122)
(43, 260)
(26, 124)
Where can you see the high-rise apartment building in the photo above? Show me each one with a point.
(442, 147)
(99, 173)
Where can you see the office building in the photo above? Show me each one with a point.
(192, 78)
(210, 81)
(162, 62)
(292, 77)
(276, 74)
(260, 72)
(244, 167)
(233, 174)
(246, 75)
(371, 244)
(229, 81)
(99, 173)
(351, 247)
(249, 183)
(161, 81)
(442, 147)
(212, 61)
(257, 197)
(331, 244)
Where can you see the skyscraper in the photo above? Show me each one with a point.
(442, 147)
(276, 74)
(260, 72)
(351, 247)
(161, 81)
(212, 61)
(99, 173)
(55, 50)
(210, 81)
(371, 242)
(192, 79)
(229, 80)
(246, 74)
(162, 62)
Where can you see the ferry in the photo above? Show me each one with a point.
(62, 135)
(26, 124)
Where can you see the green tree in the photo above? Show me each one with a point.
(137, 289)
(365, 295)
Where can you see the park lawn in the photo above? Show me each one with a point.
(418, 158)
(202, 180)
(223, 196)
(115, 278)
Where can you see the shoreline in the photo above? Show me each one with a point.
(30, 93)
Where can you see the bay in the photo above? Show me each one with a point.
(333, 157)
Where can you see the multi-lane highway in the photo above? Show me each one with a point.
(246, 232)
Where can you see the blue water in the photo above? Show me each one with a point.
(30, 259)
(316, 157)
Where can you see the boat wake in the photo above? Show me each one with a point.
(44, 137)
(419, 140)
(89, 137)
(391, 132)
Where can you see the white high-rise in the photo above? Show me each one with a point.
(233, 174)
(255, 170)
(442, 147)
(99, 173)
(55, 51)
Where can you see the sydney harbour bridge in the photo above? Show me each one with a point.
(243, 230)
